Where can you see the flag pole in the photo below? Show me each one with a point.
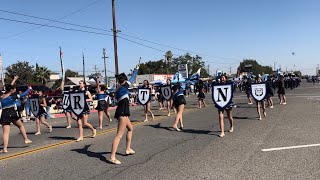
(62, 71)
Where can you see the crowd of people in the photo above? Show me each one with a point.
(13, 103)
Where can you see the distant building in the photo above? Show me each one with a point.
(54, 76)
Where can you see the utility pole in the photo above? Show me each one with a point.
(209, 69)
(105, 66)
(115, 38)
(274, 66)
(84, 76)
(230, 70)
(95, 69)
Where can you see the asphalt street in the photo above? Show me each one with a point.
(194, 153)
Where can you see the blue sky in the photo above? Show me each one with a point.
(223, 32)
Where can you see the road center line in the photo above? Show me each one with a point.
(289, 147)
(42, 148)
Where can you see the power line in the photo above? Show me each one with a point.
(85, 7)
(57, 27)
(123, 34)
(98, 33)
(172, 47)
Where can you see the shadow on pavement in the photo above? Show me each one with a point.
(193, 131)
(62, 138)
(99, 155)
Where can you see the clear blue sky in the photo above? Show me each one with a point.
(268, 31)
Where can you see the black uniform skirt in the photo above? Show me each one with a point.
(42, 112)
(177, 101)
(281, 91)
(9, 115)
(201, 95)
(122, 108)
(102, 105)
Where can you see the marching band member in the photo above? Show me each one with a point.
(263, 103)
(83, 119)
(9, 114)
(179, 102)
(201, 95)
(269, 92)
(103, 103)
(228, 110)
(42, 113)
(170, 101)
(281, 91)
(122, 114)
(147, 106)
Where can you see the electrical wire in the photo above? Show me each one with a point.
(85, 7)
(123, 34)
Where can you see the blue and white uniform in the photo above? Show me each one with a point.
(103, 102)
(178, 99)
(9, 108)
(122, 96)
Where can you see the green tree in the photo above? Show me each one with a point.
(41, 74)
(256, 68)
(194, 63)
(70, 73)
(21, 69)
(298, 73)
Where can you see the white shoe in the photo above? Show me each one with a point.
(37, 133)
(271, 107)
(284, 103)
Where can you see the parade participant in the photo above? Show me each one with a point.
(48, 107)
(201, 96)
(122, 114)
(42, 113)
(68, 112)
(27, 108)
(269, 92)
(228, 110)
(259, 103)
(83, 119)
(170, 101)
(147, 106)
(160, 99)
(103, 103)
(281, 91)
(9, 114)
(247, 89)
(179, 103)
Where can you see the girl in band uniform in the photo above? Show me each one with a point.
(263, 103)
(228, 110)
(9, 115)
(83, 119)
(42, 113)
(103, 103)
(122, 114)
(179, 102)
(147, 106)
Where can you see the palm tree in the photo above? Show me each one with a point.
(42, 74)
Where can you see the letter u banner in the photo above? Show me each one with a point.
(222, 95)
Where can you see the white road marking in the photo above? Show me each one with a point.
(289, 147)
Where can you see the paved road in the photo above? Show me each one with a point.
(195, 153)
